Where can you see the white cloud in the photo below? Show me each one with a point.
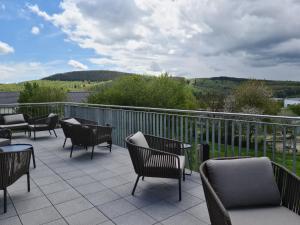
(3, 7)
(22, 71)
(187, 37)
(35, 30)
(77, 65)
(5, 48)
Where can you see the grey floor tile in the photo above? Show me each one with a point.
(114, 181)
(102, 197)
(88, 217)
(57, 222)
(47, 180)
(11, 211)
(77, 181)
(72, 174)
(125, 189)
(161, 210)
(116, 208)
(186, 202)
(74, 206)
(40, 216)
(11, 221)
(55, 187)
(63, 196)
(107, 223)
(198, 192)
(32, 204)
(23, 194)
(90, 188)
(136, 217)
(181, 219)
(200, 211)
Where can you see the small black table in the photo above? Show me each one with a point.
(18, 148)
(187, 150)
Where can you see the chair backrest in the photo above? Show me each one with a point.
(80, 135)
(52, 121)
(138, 155)
(12, 166)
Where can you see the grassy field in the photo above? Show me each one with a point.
(278, 157)
(66, 85)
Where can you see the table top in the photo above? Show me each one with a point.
(15, 148)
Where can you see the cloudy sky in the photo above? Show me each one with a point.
(192, 38)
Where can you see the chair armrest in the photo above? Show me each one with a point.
(289, 187)
(164, 144)
(217, 212)
(38, 120)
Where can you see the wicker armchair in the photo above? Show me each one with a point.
(90, 135)
(66, 125)
(289, 189)
(164, 158)
(43, 123)
(13, 165)
(5, 137)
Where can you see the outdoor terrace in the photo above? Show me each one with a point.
(79, 190)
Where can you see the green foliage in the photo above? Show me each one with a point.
(295, 109)
(252, 96)
(161, 92)
(66, 85)
(33, 93)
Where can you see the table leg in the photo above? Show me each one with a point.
(189, 160)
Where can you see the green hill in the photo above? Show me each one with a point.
(281, 89)
(88, 75)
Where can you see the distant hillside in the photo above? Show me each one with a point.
(281, 89)
(88, 75)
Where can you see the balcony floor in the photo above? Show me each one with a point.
(88, 192)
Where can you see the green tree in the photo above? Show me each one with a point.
(295, 109)
(33, 93)
(161, 92)
(254, 97)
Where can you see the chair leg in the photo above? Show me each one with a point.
(110, 147)
(71, 151)
(5, 199)
(50, 132)
(28, 182)
(143, 178)
(64, 142)
(34, 135)
(183, 175)
(54, 133)
(179, 184)
(136, 182)
(92, 152)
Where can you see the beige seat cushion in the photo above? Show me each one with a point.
(13, 119)
(139, 139)
(162, 161)
(264, 216)
(72, 121)
(38, 125)
(4, 141)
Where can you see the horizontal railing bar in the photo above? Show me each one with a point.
(200, 112)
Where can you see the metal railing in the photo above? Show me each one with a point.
(228, 134)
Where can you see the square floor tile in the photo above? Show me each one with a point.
(40, 216)
(74, 206)
(116, 208)
(102, 197)
(63, 196)
(32, 204)
(88, 217)
(136, 217)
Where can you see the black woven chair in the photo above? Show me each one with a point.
(90, 136)
(289, 190)
(43, 123)
(5, 137)
(13, 165)
(164, 158)
(67, 123)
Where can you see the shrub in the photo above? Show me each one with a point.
(161, 92)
